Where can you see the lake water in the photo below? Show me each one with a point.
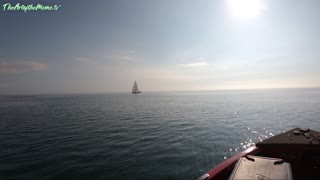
(165, 135)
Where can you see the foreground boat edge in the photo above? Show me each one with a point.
(222, 171)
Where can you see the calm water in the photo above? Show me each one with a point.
(146, 136)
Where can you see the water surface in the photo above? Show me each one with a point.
(167, 135)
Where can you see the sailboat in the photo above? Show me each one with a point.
(135, 89)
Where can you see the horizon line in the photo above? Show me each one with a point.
(129, 92)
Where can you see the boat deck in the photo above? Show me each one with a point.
(299, 147)
(294, 137)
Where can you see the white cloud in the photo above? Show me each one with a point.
(195, 64)
(123, 57)
(120, 57)
(3, 86)
(8, 67)
(82, 59)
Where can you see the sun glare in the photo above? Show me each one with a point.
(245, 9)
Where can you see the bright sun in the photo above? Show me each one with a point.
(245, 9)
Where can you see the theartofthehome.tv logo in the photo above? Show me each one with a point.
(29, 7)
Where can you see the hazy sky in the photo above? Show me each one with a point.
(166, 45)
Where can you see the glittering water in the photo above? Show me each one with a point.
(176, 135)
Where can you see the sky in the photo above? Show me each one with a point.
(165, 45)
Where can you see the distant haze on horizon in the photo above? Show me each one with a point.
(168, 45)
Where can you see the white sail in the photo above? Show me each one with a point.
(135, 88)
